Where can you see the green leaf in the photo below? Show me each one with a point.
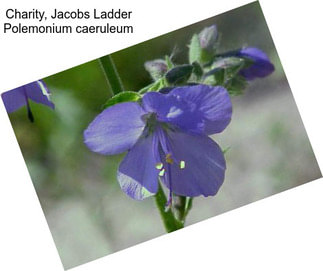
(126, 96)
(195, 50)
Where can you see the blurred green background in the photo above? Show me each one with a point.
(88, 215)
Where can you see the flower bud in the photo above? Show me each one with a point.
(156, 68)
(179, 74)
(208, 37)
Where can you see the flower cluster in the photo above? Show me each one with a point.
(165, 126)
(231, 70)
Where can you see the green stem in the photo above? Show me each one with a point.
(183, 207)
(170, 222)
(111, 74)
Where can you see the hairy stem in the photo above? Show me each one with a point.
(183, 206)
(170, 222)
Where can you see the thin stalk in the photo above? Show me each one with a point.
(170, 222)
(111, 74)
(183, 206)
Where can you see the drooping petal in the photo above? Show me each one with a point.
(39, 93)
(174, 110)
(202, 165)
(137, 174)
(213, 104)
(14, 99)
(261, 65)
(116, 129)
(18, 97)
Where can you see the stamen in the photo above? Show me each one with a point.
(169, 159)
(161, 173)
(182, 164)
(159, 166)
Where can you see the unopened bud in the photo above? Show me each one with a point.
(156, 68)
(208, 37)
(179, 74)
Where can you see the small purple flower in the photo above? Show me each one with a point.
(260, 66)
(166, 137)
(16, 98)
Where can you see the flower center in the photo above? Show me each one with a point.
(153, 124)
(151, 121)
(169, 161)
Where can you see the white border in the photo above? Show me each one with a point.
(283, 232)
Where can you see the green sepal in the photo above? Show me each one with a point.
(236, 85)
(126, 96)
(155, 86)
(195, 50)
(228, 62)
(169, 62)
(214, 77)
(219, 77)
(231, 65)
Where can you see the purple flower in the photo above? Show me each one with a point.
(16, 98)
(260, 66)
(166, 137)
